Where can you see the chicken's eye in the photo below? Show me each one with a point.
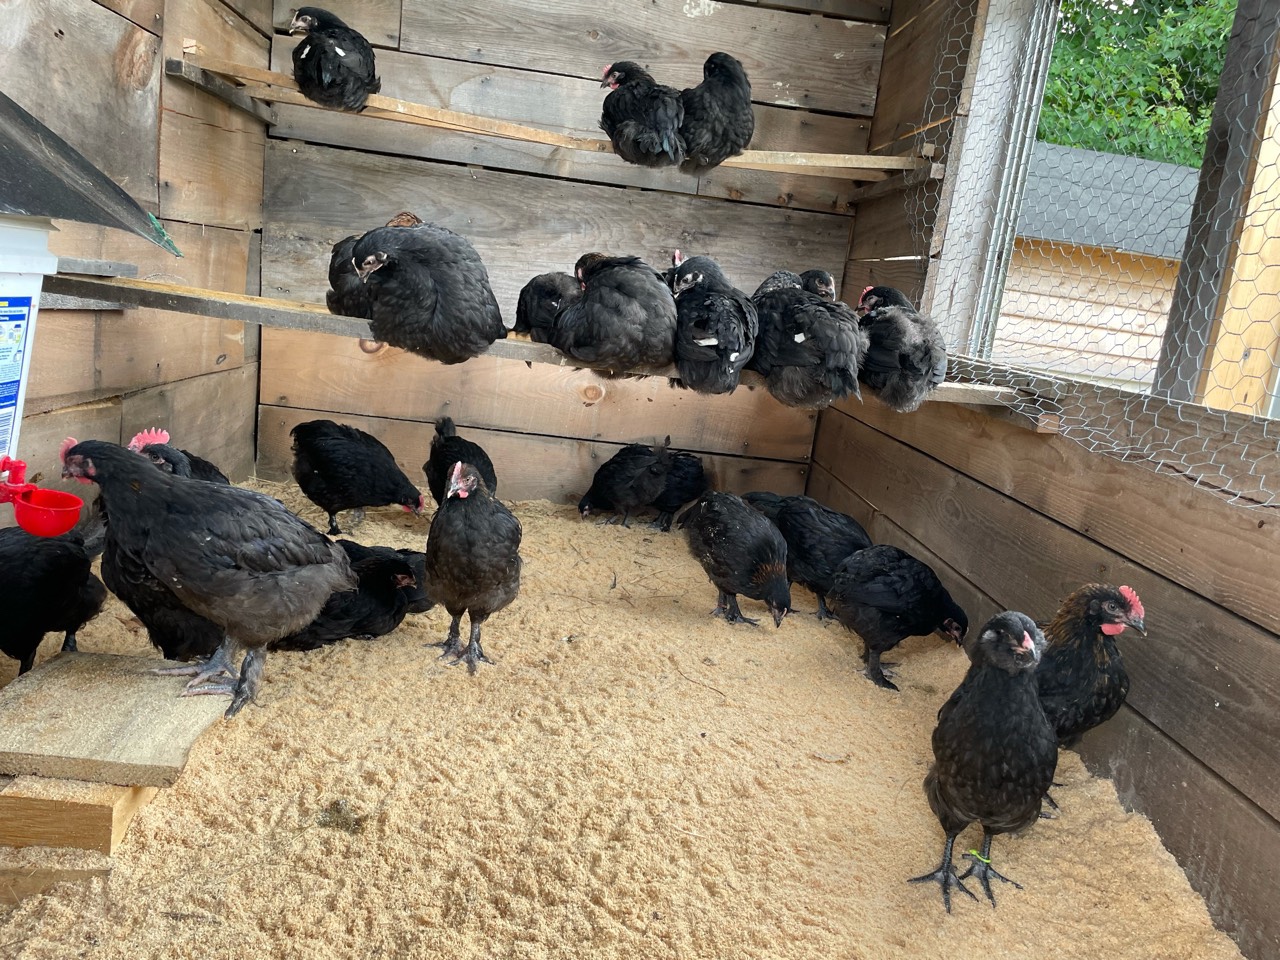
(1109, 606)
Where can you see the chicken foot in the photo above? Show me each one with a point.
(204, 671)
(244, 686)
(980, 867)
(474, 653)
(727, 607)
(945, 876)
(453, 642)
(824, 613)
(875, 669)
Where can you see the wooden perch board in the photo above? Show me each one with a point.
(268, 86)
(295, 315)
(105, 719)
(40, 812)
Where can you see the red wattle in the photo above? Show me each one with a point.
(1112, 629)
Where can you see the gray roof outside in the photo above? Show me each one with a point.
(1105, 200)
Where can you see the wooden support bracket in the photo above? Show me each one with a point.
(41, 812)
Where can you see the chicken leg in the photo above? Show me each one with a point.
(203, 672)
(875, 669)
(242, 686)
(727, 607)
(453, 642)
(945, 876)
(69, 643)
(980, 867)
(475, 652)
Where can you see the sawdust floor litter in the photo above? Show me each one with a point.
(631, 778)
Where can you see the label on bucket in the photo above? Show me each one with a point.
(15, 330)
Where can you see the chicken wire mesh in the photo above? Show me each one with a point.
(1146, 324)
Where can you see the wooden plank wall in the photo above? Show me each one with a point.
(530, 209)
(93, 72)
(1015, 519)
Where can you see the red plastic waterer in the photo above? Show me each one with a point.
(46, 513)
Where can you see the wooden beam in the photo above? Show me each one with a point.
(1244, 91)
(216, 86)
(900, 181)
(101, 718)
(39, 812)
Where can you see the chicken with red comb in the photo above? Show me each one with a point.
(1081, 678)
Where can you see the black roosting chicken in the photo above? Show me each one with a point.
(377, 605)
(820, 283)
(994, 750)
(1081, 677)
(333, 65)
(541, 300)
(742, 553)
(348, 295)
(415, 594)
(447, 448)
(642, 117)
(809, 350)
(47, 587)
(907, 356)
(625, 317)
(429, 292)
(154, 444)
(718, 120)
(716, 327)
(687, 480)
(340, 467)
(885, 595)
(633, 478)
(233, 556)
(473, 560)
(818, 540)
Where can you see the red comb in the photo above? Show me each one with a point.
(456, 472)
(149, 436)
(605, 72)
(67, 444)
(1135, 605)
(865, 291)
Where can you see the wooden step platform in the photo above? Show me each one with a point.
(103, 719)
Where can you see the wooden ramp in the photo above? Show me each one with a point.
(101, 718)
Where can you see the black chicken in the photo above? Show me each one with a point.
(809, 350)
(429, 292)
(47, 586)
(154, 445)
(447, 448)
(625, 317)
(541, 300)
(994, 750)
(642, 117)
(633, 478)
(907, 356)
(235, 557)
(687, 480)
(473, 560)
(819, 283)
(742, 553)
(416, 598)
(1081, 677)
(716, 327)
(885, 595)
(333, 65)
(718, 121)
(818, 540)
(377, 605)
(348, 295)
(340, 467)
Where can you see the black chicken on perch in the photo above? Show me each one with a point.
(333, 64)
(47, 587)
(447, 448)
(906, 356)
(632, 479)
(885, 595)
(473, 560)
(809, 350)
(340, 467)
(642, 117)
(348, 295)
(818, 539)
(820, 283)
(718, 120)
(540, 302)
(429, 292)
(742, 553)
(994, 750)
(716, 327)
(235, 557)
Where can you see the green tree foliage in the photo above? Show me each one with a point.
(1136, 77)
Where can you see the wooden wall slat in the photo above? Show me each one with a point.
(529, 467)
(1208, 678)
(42, 435)
(883, 228)
(335, 373)
(792, 59)
(522, 226)
(88, 74)
(148, 14)
(905, 275)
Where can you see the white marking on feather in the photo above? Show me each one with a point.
(734, 356)
(339, 51)
(707, 342)
(305, 52)
(799, 338)
(700, 8)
